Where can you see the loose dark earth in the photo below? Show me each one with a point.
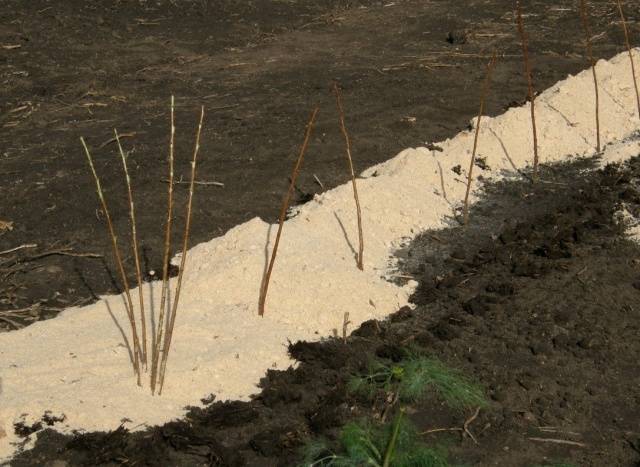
(537, 301)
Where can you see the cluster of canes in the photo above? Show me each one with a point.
(150, 350)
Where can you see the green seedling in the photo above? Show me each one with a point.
(411, 378)
(362, 444)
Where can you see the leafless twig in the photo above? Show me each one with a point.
(283, 212)
(155, 359)
(558, 441)
(120, 136)
(464, 429)
(118, 257)
(587, 31)
(183, 260)
(181, 182)
(343, 128)
(315, 177)
(532, 95)
(345, 325)
(628, 44)
(483, 96)
(21, 247)
(136, 254)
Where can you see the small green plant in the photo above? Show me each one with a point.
(411, 378)
(364, 444)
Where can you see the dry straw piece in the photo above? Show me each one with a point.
(343, 128)
(628, 44)
(587, 31)
(136, 352)
(532, 95)
(483, 96)
(283, 212)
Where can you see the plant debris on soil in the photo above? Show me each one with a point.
(408, 69)
(536, 302)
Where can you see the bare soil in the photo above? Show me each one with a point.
(410, 72)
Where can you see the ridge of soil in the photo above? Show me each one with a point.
(410, 71)
(537, 301)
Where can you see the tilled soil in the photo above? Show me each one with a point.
(410, 70)
(537, 301)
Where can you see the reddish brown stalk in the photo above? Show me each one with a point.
(283, 212)
(347, 141)
(165, 268)
(483, 96)
(183, 260)
(532, 95)
(118, 257)
(628, 44)
(136, 255)
(587, 31)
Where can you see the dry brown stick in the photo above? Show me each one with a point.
(136, 254)
(464, 430)
(558, 441)
(315, 177)
(283, 212)
(483, 96)
(113, 140)
(532, 96)
(198, 182)
(468, 423)
(165, 267)
(183, 260)
(118, 257)
(628, 44)
(587, 31)
(345, 325)
(343, 128)
(15, 325)
(21, 247)
(62, 251)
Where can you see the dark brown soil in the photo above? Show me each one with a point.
(537, 301)
(410, 71)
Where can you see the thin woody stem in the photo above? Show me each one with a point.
(118, 257)
(185, 247)
(283, 212)
(531, 92)
(343, 128)
(136, 255)
(587, 31)
(483, 96)
(165, 265)
(628, 44)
